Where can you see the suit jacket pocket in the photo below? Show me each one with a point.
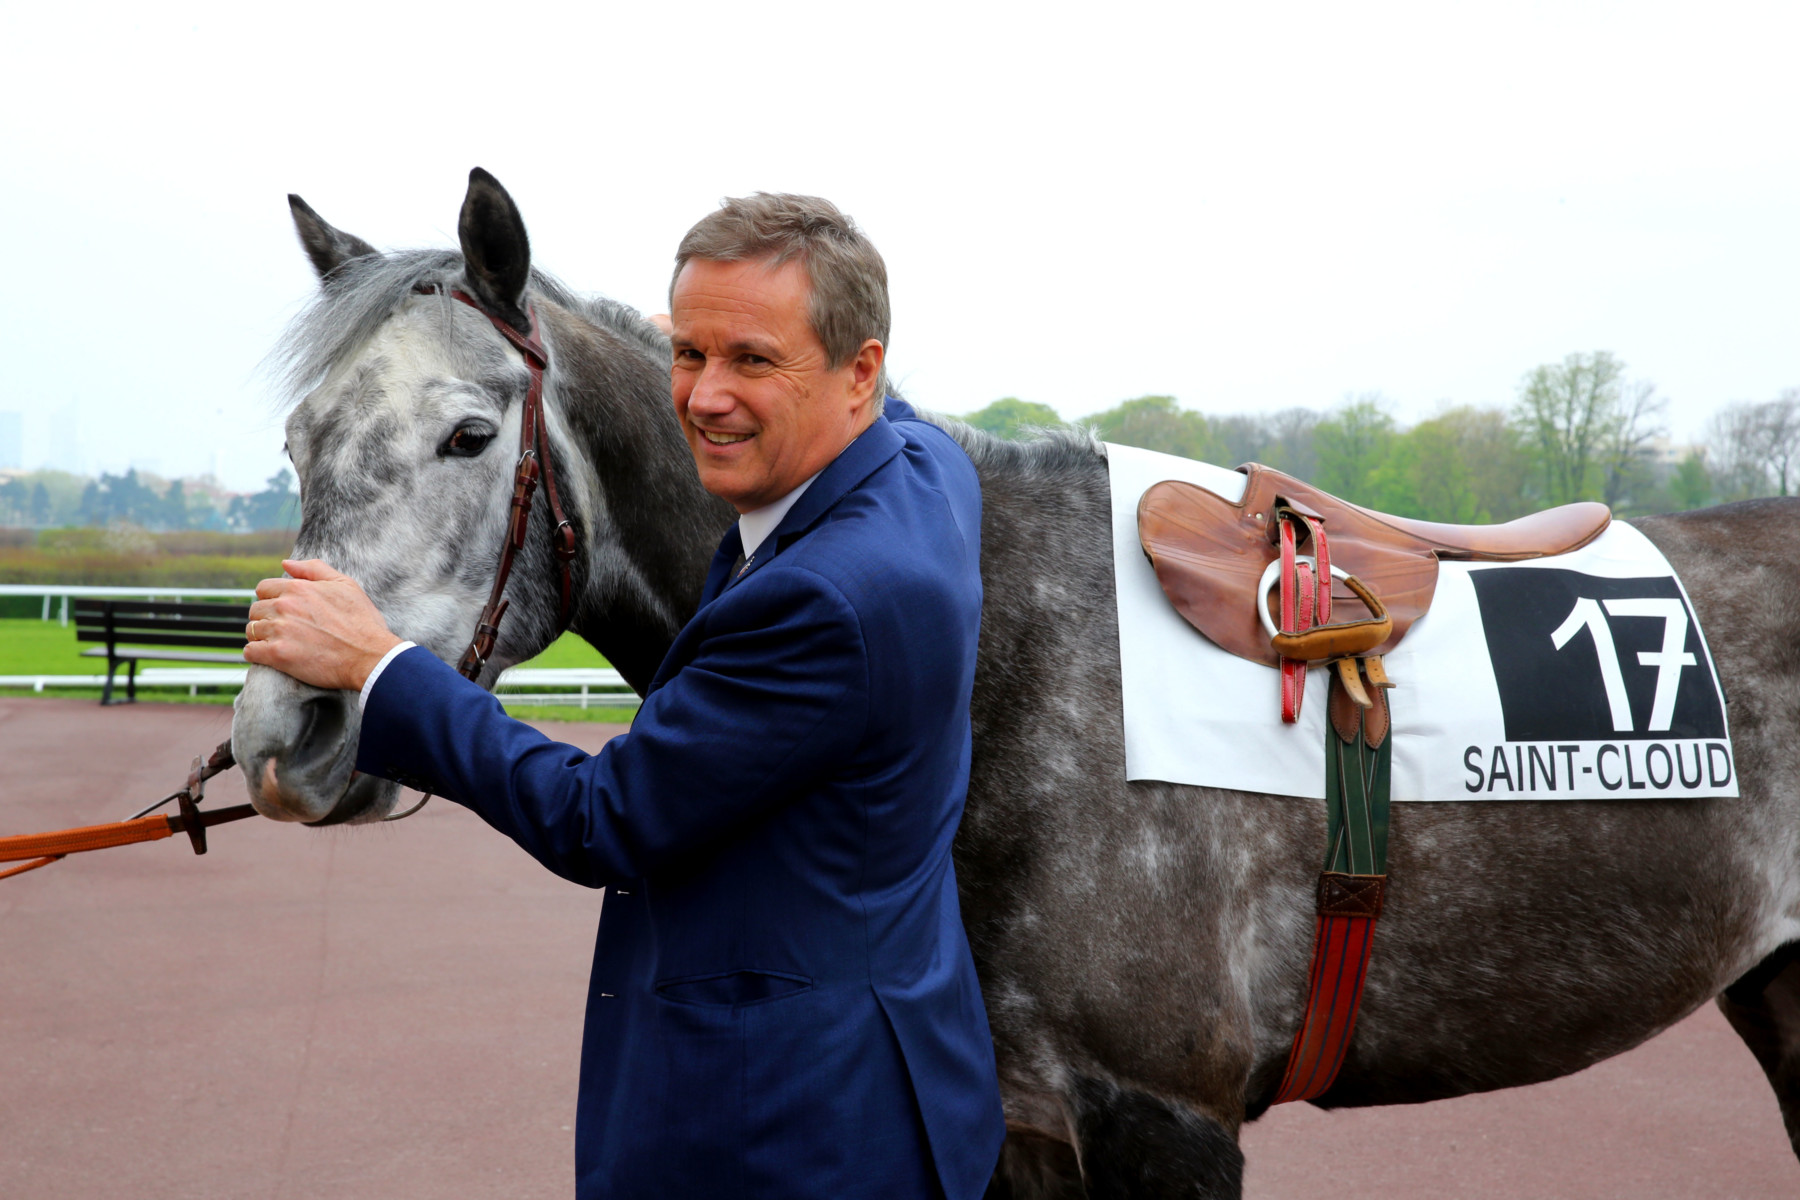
(732, 989)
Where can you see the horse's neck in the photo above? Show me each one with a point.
(652, 529)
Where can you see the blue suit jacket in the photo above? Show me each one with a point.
(783, 1002)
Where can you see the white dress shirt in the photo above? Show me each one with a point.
(754, 527)
(362, 699)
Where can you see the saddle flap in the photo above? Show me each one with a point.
(1209, 555)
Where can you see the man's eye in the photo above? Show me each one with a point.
(466, 442)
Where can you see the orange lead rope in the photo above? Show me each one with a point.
(46, 848)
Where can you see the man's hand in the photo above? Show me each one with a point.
(316, 625)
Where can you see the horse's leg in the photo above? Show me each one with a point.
(1134, 1145)
(1764, 1008)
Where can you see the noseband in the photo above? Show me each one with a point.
(535, 462)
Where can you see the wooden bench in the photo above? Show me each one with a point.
(134, 629)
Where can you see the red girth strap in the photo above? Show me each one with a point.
(1351, 891)
(1341, 948)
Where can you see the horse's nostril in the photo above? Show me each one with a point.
(321, 727)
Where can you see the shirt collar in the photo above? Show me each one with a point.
(861, 458)
(756, 525)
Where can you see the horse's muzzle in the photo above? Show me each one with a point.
(297, 748)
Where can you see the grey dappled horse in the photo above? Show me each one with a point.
(1143, 947)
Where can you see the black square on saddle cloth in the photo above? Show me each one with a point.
(1579, 657)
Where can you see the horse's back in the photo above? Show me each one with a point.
(1160, 933)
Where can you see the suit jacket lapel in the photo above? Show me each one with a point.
(731, 547)
(860, 459)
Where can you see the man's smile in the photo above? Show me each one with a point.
(724, 439)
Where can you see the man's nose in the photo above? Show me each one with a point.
(711, 395)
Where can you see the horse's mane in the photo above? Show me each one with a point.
(1042, 453)
(355, 299)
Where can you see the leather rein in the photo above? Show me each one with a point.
(535, 466)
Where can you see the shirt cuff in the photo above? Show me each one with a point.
(362, 700)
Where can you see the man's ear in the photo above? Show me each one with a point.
(328, 248)
(496, 252)
(865, 379)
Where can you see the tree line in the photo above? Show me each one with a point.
(57, 499)
(1579, 429)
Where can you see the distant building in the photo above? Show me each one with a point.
(65, 440)
(12, 440)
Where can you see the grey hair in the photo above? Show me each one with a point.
(849, 303)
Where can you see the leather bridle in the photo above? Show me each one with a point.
(535, 463)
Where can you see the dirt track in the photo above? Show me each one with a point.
(395, 1012)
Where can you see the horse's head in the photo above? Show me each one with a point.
(405, 444)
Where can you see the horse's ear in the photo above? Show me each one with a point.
(328, 248)
(496, 252)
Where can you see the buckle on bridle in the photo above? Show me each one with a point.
(564, 543)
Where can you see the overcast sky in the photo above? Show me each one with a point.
(1245, 206)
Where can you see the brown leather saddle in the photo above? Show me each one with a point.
(1210, 554)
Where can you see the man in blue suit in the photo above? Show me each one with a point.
(783, 1002)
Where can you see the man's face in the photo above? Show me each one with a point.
(762, 408)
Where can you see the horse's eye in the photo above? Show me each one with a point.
(466, 442)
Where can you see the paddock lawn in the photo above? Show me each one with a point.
(34, 647)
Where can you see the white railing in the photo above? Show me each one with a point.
(50, 591)
(577, 687)
(597, 687)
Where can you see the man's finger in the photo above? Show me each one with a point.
(311, 568)
(268, 589)
(262, 610)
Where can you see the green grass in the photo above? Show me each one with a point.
(602, 716)
(566, 652)
(34, 647)
(44, 648)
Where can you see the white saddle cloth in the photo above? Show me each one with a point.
(1579, 677)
